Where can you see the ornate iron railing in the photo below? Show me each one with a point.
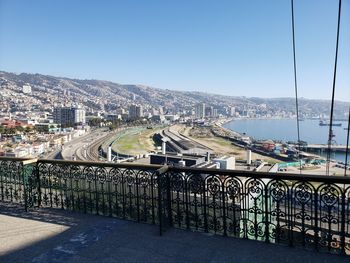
(297, 210)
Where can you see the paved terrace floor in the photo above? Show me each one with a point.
(47, 235)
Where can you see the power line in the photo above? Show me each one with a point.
(330, 133)
(296, 83)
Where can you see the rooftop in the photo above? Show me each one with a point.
(52, 235)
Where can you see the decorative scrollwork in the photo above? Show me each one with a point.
(233, 188)
(195, 183)
(329, 195)
(213, 185)
(116, 175)
(54, 171)
(101, 175)
(64, 170)
(176, 182)
(255, 187)
(303, 193)
(329, 219)
(278, 190)
(75, 172)
(278, 212)
(144, 179)
(303, 215)
(89, 173)
(129, 177)
(256, 229)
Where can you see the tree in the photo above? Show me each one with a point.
(19, 128)
(10, 130)
(95, 122)
(28, 129)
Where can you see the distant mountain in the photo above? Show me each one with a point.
(107, 89)
(89, 91)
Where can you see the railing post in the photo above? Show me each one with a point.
(342, 229)
(290, 215)
(24, 181)
(159, 203)
(205, 207)
(21, 171)
(159, 173)
(168, 190)
(267, 222)
(37, 174)
(224, 214)
(316, 239)
(137, 196)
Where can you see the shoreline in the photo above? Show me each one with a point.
(236, 134)
(223, 146)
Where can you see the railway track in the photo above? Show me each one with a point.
(182, 144)
(92, 152)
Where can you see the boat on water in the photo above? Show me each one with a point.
(325, 123)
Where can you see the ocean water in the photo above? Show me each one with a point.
(286, 130)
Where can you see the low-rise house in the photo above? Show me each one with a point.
(38, 148)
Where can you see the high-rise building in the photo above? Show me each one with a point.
(232, 111)
(135, 112)
(200, 110)
(120, 111)
(69, 116)
(209, 111)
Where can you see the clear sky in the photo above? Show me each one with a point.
(232, 47)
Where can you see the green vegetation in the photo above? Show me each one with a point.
(23, 130)
(134, 141)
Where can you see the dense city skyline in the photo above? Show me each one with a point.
(243, 49)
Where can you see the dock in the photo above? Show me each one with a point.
(323, 147)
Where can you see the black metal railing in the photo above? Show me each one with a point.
(297, 210)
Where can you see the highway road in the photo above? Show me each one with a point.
(86, 146)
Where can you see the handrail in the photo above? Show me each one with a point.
(15, 159)
(209, 171)
(102, 164)
(265, 175)
(163, 169)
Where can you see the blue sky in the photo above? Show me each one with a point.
(233, 47)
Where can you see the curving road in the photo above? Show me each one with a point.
(88, 143)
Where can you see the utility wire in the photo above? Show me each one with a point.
(330, 133)
(295, 83)
(347, 145)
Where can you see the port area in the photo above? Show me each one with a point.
(138, 143)
(230, 143)
(319, 169)
(220, 145)
(311, 162)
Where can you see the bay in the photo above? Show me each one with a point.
(286, 130)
